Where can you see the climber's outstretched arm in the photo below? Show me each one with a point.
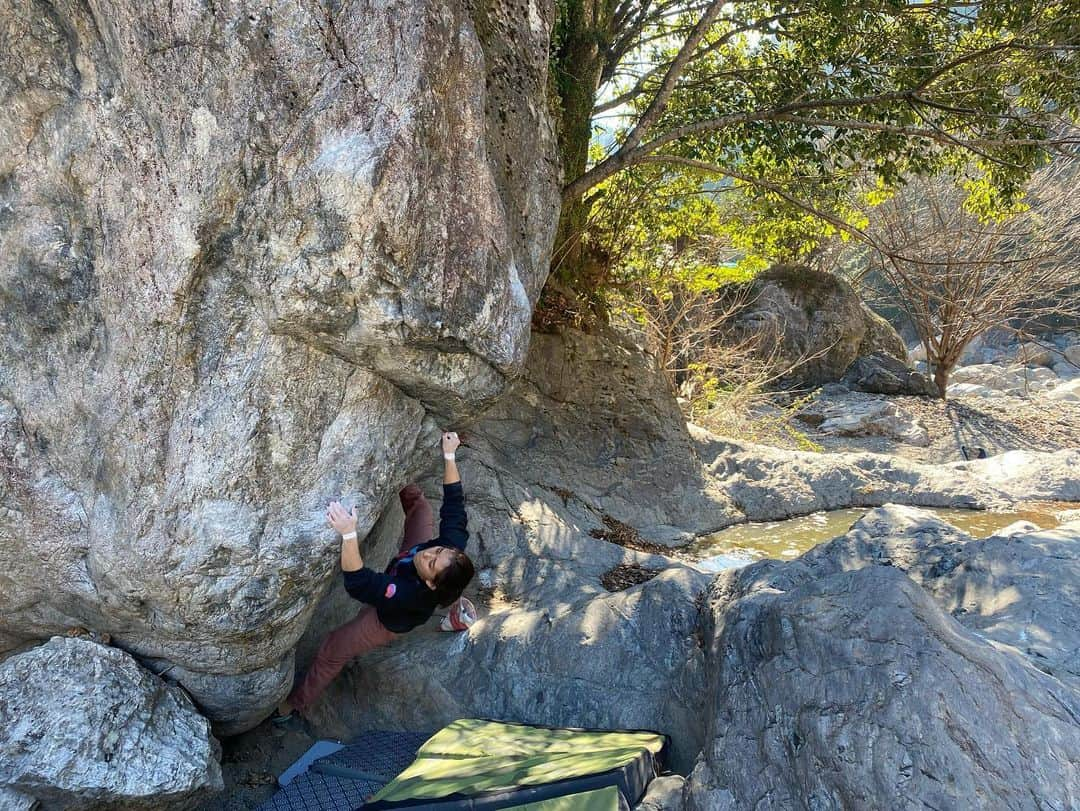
(450, 443)
(453, 522)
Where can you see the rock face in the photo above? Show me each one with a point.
(83, 726)
(250, 258)
(855, 690)
(630, 660)
(818, 323)
(879, 373)
(766, 483)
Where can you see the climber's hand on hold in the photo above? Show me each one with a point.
(450, 442)
(343, 521)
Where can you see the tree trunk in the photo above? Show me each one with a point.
(581, 34)
(941, 377)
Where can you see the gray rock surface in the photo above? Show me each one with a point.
(1020, 587)
(664, 794)
(767, 483)
(15, 801)
(1036, 354)
(251, 257)
(631, 659)
(1069, 392)
(83, 726)
(989, 375)
(817, 322)
(879, 373)
(854, 416)
(855, 690)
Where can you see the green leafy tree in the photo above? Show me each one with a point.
(797, 105)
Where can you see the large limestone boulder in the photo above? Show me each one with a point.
(814, 322)
(856, 690)
(82, 726)
(1020, 587)
(251, 258)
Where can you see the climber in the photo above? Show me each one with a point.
(425, 574)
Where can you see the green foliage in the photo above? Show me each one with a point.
(663, 230)
(802, 109)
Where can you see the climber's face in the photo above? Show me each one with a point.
(429, 562)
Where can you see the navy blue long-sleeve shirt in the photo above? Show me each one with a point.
(402, 600)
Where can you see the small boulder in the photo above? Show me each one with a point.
(879, 373)
(1072, 355)
(664, 794)
(1031, 353)
(1068, 392)
(83, 726)
(869, 417)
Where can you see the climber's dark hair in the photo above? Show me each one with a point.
(451, 581)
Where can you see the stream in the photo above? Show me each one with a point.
(741, 544)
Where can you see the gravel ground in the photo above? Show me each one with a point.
(995, 424)
(251, 763)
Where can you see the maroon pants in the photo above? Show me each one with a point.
(365, 632)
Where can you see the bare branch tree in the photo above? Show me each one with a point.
(957, 276)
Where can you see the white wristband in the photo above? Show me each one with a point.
(449, 457)
(349, 536)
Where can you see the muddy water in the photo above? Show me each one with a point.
(745, 543)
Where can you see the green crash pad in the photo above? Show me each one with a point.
(601, 799)
(474, 757)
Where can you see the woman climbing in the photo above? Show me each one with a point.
(425, 573)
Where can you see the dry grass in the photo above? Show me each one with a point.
(623, 577)
(617, 532)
